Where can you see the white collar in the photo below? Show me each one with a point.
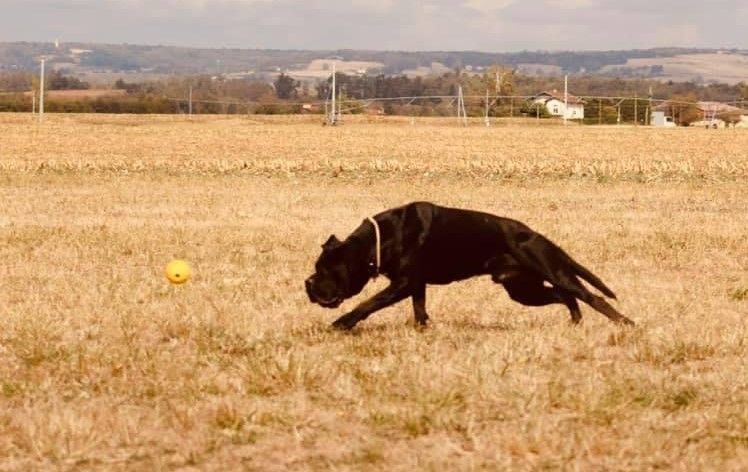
(378, 244)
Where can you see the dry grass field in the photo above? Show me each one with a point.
(104, 366)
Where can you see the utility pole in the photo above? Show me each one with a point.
(488, 123)
(618, 119)
(636, 109)
(333, 117)
(461, 113)
(599, 111)
(566, 97)
(618, 108)
(189, 107)
(649, 108)
(41, 93)
(459, 104)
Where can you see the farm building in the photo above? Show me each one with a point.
(720, 115)
(554, 103)
(710, 114)
(659, 120)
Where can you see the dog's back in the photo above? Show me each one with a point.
(457, 243)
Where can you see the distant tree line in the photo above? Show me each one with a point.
(26, 81)
(285, 94)
(134, 105)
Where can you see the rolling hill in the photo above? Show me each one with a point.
(94, 61)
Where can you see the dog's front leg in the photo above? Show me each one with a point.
(396, 291)
(419, 305)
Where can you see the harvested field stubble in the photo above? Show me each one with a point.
(105, 366)
(268, 146)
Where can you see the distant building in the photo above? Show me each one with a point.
(237, 75)
(554, 103)
(720, 115)
(659, 120)
(310, 108)
(713, 114)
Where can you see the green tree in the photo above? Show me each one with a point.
(285, 87)
(57, 81)
(684, 110)
(532, 109)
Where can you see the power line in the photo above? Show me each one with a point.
(352, 105)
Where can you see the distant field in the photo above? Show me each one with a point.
(79, 94)
(724, 68)
(98, 78)
(322, 68)
(104, 366)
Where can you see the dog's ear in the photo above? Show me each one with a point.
(331, 243)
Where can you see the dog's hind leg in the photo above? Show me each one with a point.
(530, 290)
(601, 305)
(573, 306)
(419, 305)
(551, 263)
(575, 288)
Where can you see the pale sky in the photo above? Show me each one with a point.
(481, 25)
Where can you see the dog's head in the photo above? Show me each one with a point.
(341, 272)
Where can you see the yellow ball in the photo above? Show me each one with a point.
(178, 271)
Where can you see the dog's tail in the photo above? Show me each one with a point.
(594, 280)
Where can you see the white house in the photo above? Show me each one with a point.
(554, 103)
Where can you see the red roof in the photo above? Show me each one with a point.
(708, 107)
(571, 99)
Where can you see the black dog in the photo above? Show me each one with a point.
(422, 243)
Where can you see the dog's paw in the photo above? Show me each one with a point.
(625, 321)
(422, 324)
(342, 324)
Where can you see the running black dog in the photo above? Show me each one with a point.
(422, 243)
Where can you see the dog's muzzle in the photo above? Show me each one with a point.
(331, 303)
(308, 285)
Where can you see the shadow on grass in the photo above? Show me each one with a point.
(478, 326)
(456, 325)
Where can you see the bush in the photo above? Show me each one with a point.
(277, 109)
(15, 102)
(533, 109)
